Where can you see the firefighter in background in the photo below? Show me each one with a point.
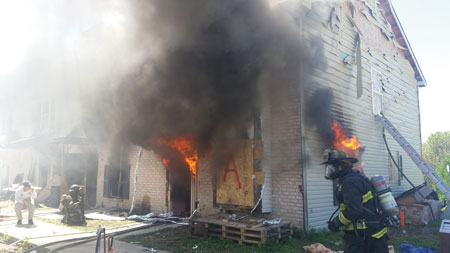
(364, 230)
(73, 207)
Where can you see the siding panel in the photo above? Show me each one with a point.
(400, 107)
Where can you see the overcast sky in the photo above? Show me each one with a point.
(426, 24)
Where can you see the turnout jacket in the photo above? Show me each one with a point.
(358, 206)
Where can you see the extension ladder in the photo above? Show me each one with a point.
(429, 172)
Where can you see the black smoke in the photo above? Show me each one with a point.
(319, 112)
(210, 67)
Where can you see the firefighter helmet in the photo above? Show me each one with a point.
(338, 155)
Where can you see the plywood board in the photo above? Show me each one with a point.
(234, 175)
(259, 177)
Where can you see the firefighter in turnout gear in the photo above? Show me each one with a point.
(363, 226)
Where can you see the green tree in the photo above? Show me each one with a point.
(436, 151)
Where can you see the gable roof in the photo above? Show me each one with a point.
(401, 38)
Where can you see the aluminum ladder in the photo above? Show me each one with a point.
(416, 157)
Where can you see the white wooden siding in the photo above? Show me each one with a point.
(400, 107)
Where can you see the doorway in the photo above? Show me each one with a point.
(81, 169)
(179, 194)
(91, 179)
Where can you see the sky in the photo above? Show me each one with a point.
(426, 24)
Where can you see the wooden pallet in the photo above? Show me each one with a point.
(240, 231)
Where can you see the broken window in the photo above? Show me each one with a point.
(377, 92)
(116, 181)
(44, 116)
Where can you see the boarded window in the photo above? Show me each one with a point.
(394, 174)
(116, 181)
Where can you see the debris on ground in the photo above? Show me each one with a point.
(164, 217)
(318, 248)
(272, 222)
(420, 205)
(101, 216)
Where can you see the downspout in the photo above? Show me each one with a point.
(302, 161)
(138, 159)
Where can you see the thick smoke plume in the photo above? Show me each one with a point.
(133, 71)
(319, 112)
(210, 67)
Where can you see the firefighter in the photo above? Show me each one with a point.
(73, 207)
(364, 230)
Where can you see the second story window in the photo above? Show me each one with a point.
(44, 116)
(44, 119)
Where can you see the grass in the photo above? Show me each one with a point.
(7, 239)
(178, 240)
(24, 245)
(417, 235)
(20, 245)
(91, 226)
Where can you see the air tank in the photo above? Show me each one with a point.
(385, 197)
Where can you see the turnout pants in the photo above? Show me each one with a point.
(18, 208)
(359, 244)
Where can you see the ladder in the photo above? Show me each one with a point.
(416, 157)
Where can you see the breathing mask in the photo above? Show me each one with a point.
(330, 172)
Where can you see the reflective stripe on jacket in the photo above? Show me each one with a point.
(357, 204)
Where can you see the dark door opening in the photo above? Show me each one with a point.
(82, 169)
(180, 191)
(73, 169)
(91, 180)
(43, 175)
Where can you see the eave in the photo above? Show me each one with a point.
(401, 38)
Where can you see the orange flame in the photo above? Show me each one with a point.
(164, 161)
(342, 142)
(185, 147)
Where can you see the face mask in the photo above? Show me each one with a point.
(330, 172)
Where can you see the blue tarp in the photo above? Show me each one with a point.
(408, 248)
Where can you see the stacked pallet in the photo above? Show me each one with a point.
(243, 231)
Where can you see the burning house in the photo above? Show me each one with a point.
(236, 110)
(234, 103)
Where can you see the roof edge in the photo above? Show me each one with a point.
(421, 82)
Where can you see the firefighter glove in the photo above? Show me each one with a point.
(333, 225)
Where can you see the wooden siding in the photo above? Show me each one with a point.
(400, 107)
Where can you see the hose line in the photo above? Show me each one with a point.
(403, 174)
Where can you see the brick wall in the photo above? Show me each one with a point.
(205, 189)
(151, 181)
(283, 160)
(420, 214)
